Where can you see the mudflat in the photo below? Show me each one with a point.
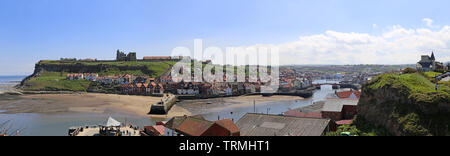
(136, 105)
(83, 102)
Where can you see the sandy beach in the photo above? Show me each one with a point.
(111, 103)
(85, 102)
(135, 105)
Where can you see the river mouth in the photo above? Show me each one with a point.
(39, 115)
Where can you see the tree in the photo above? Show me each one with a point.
(409, 71)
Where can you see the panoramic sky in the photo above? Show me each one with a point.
(305, 31)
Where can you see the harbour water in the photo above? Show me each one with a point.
(8, 82)
(57, 124)
(34, 124)
(271, 107)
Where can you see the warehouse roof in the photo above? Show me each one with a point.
(336, 105)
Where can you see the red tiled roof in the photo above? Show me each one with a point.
(294, 113)
(347, 94)
(161, 123)
(229, 125)
(157, 129)
(160, 129)
(156, 58)
(194, 127)
(344, 122)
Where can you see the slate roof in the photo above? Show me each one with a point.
(295, 113)
(276, 125)
(336, 105)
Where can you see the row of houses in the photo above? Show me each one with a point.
(82, 76)
(142, 88)
(116, 79)
(190, 88)
(290, 80)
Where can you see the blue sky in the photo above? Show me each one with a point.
(31, 30)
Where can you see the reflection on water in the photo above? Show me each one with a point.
(58, 124)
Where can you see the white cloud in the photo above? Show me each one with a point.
(375, 26)
(429, 23)
(395, 45)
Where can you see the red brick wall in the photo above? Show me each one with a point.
(349, 112)
(332, 115)
(216, 130)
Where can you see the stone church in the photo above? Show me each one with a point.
(429, 63)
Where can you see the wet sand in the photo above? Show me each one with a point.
(86, 103)
(204, 106)
(135, 105)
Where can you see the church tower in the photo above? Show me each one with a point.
(432, 56)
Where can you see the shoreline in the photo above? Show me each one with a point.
(101, 103)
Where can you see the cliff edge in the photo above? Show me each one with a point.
(51, 75)
(405, 105)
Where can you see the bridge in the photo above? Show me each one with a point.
(335, 85)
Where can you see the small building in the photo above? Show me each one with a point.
(232, 128)
(156, 130)
(349, 94)
(277, 125)
(295, 113)
(198, 126)
(175, 122)
(429, 63)
(339, 109)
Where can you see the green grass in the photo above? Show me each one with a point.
(56, 81)
(420, 91)
(53, 81)
(352, 129)
(432, 74)
(152, 69)
(409, 84)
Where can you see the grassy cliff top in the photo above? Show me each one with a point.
(56, 80)
(418, 110)
(413, 85)
(156, 68)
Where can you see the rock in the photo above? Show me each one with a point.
(13, 93)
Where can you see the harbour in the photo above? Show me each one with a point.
(93, 109)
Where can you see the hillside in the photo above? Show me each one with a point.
(405, 105)
(51, 75)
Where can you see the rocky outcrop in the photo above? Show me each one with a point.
(403, 113)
